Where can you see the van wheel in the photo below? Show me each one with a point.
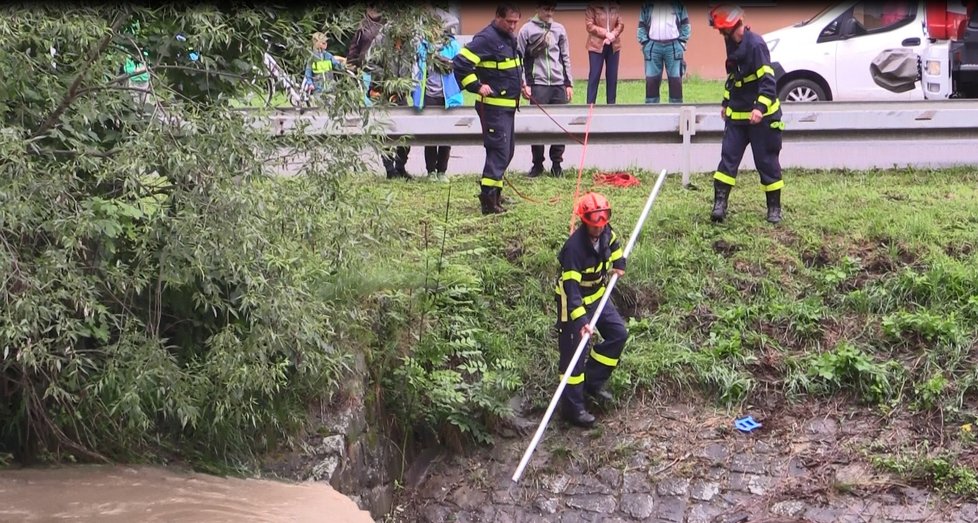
(801, 90)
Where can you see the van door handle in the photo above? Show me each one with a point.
(911, 42)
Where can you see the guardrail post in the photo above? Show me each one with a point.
(687, 128)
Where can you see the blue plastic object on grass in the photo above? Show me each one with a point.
(747, 424)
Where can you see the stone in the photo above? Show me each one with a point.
(594, 503)
(672, 509)
(636, 482)
(748, 464)
(324, 470)
(638, 506)
(907, 513)
(823, 515)
(854, 474)
(673, 487)
(547, 506)
(587, 485)
(610, 477)
(332, 445)
(435, 514)
(968, 513)
(704, 490)
(468, 498)
(555, 484)
(504, 497)
(788, 509)
(379, 500)
(701, 513)
(797, 468)
(822, 429)
(715, 453)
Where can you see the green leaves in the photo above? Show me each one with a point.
(160, 287)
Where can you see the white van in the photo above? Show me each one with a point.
(827, 57)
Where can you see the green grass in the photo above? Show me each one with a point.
(869, 289)
(695, 91)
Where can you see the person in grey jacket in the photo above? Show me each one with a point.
(546, 63)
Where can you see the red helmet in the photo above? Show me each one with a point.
(725, 16)
(594, 209)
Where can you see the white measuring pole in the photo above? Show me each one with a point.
(594, 319)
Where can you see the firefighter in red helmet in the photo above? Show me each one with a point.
(751, 110)
(586, 260)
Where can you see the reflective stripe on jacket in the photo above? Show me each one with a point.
(583, 273)
(750, 80)
(491, 58)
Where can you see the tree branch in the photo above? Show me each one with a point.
(72, 93)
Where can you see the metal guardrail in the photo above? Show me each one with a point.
(824, 125)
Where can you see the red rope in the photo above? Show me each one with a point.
(580, 167)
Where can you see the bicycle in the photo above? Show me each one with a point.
(277, 79)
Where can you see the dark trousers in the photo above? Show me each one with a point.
(548, 94)
(498, 125)
(436, 156)
(594, 367)
(608, 57)
(765, 141)
(395, 158)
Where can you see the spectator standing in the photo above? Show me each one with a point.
(435, 83)
(663, 32)
(546, 62)
(604, 27)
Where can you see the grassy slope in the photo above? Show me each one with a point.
(695, 91)
(867, 291)
(729, 307)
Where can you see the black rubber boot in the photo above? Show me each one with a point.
(774, 206)
(498, 202)
(535, 170)
(487, 201)
(556, 170)
(581, 418)
(721, 193)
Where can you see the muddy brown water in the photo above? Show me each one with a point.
(116, 493)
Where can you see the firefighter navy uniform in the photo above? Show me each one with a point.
(492, 58)
(582, 282)
(750, 85)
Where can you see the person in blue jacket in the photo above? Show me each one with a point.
(435, 85)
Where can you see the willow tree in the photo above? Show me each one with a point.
(159, 288)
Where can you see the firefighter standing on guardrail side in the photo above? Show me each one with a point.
(490, 66)
(751, 110)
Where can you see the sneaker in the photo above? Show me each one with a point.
(536, 170)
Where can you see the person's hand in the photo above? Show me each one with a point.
(755, 116)
(723, 113)
(586, 329)
(570, 93)
(608, 40)
(527, 92)
(485, 90)
(619, 272)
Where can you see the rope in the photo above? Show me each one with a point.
(580, 166)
